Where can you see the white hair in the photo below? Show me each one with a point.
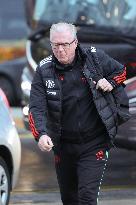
(63, 27)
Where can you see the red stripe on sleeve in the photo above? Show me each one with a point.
(32, 126)
(120, 78)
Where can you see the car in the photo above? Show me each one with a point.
(10, 151)
(126, 137)
(10, 79)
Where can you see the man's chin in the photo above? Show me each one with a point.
(62, 61)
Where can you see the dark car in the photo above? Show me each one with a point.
(127, 132)
(108, 25)
(10, 79)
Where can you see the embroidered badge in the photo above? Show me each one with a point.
(100, 155)
(51, 92)
(61, 77)
(93, 49)
(83, 79)
(57, 159)
(50, 84)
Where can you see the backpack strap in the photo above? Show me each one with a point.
(93, 64)
(93, 61)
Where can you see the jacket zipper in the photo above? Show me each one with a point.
(60, 86)
(77, 94)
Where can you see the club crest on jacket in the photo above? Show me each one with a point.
(50, 84)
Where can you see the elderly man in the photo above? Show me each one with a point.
(66, 117)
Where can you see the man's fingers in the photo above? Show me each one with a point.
(44, 147)
(106, 89)
(50, 142)
(49, 149)
(97, 86)
(41, 147)
(104, 85)
(45, 143)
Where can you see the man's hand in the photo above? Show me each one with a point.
(104, 85)
(45, 143)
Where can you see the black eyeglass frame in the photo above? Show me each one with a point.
(64, 45)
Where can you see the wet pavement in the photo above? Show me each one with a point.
(121, 197)
(38, 184)
(107, 197)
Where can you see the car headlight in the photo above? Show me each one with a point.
(26, 110)
(26, 81)
(26, 85)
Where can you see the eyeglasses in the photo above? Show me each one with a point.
(64, 45)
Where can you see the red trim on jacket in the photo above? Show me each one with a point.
(120, 78)
(32, 126)
(132, 64)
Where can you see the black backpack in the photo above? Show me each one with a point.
(117, 98)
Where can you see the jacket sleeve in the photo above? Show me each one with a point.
(37, 106)
(113, 71)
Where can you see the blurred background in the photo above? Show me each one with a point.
(13, 34)
(24, 41)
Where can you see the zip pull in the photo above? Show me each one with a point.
(90, 78)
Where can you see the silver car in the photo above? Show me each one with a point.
(10, 151)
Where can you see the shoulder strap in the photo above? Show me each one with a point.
(93, 63)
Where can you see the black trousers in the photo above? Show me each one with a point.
(80, 168)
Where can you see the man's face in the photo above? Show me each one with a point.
(63, 46)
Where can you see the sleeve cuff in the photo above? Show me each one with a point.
(113, 83)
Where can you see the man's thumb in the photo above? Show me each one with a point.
(50, 142)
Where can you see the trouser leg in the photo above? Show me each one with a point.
(91, 168)
(67, 178)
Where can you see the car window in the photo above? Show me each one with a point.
(111, 13)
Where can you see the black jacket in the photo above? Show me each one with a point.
(80, 121)
(45, 108)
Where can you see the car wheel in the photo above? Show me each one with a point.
(7, 87)
(4, 183)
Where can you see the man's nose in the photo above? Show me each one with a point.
(60, 48)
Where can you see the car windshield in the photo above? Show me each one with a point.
(118, 14)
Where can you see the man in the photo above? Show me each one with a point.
(66, 116)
